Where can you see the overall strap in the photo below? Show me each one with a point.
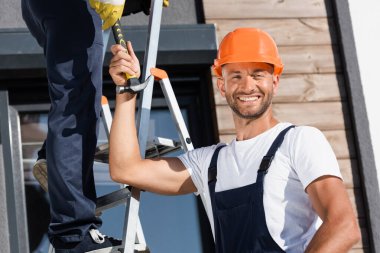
(212, 171)
(268, 158)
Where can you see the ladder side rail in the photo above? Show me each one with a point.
(150, 57)
(143, 116)
(106, 117)
(140, 238)
(107, 121)
(106, 111)
(15, 217)
(128, 209)
(176, 114)
(132, 236)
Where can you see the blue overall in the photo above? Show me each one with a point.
(239, 216)
(70, 33)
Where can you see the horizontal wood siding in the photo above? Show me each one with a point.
(312, 89)
(247, 9)
(286, 32)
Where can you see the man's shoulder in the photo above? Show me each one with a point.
(301, 137)
(305, 131)
(298, 130)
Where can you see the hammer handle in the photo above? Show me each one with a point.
(118, 34)
(119, 38)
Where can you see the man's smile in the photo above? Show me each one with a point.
(249, 98)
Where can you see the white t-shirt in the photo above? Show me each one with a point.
(304, 156)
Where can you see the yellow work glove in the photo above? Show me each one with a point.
(109, 11)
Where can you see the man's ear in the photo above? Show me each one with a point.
(221, 87)
(276, 82)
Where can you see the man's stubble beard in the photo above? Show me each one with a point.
(266, 103)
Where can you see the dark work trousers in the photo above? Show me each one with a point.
(70, 33)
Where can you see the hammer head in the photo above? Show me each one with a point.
(134, 85)
(133, 82)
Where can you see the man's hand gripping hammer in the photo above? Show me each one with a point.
(133, 83)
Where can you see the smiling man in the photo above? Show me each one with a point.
(275, 188)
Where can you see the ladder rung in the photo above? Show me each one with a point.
(112, 199)
(159, 150)
(159, 147)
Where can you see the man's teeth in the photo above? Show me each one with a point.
(248, 98)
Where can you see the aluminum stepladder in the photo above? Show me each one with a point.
(133, 237)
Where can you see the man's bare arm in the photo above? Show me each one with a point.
(339, 231)
(161, 175)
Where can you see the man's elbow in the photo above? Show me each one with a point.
(352, 231)
(356, 234)
(116, 177)
(118, 171)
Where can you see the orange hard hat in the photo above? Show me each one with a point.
(248, 45)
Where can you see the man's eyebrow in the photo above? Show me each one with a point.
(260, 70)
(235, 72)
(256, 71)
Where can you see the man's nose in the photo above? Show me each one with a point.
(249, 83)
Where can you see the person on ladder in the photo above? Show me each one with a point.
(275, 188)
(70, 32)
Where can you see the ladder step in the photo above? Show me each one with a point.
(159, 147)
(112, 199)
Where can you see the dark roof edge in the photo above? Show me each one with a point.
(178, 44)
